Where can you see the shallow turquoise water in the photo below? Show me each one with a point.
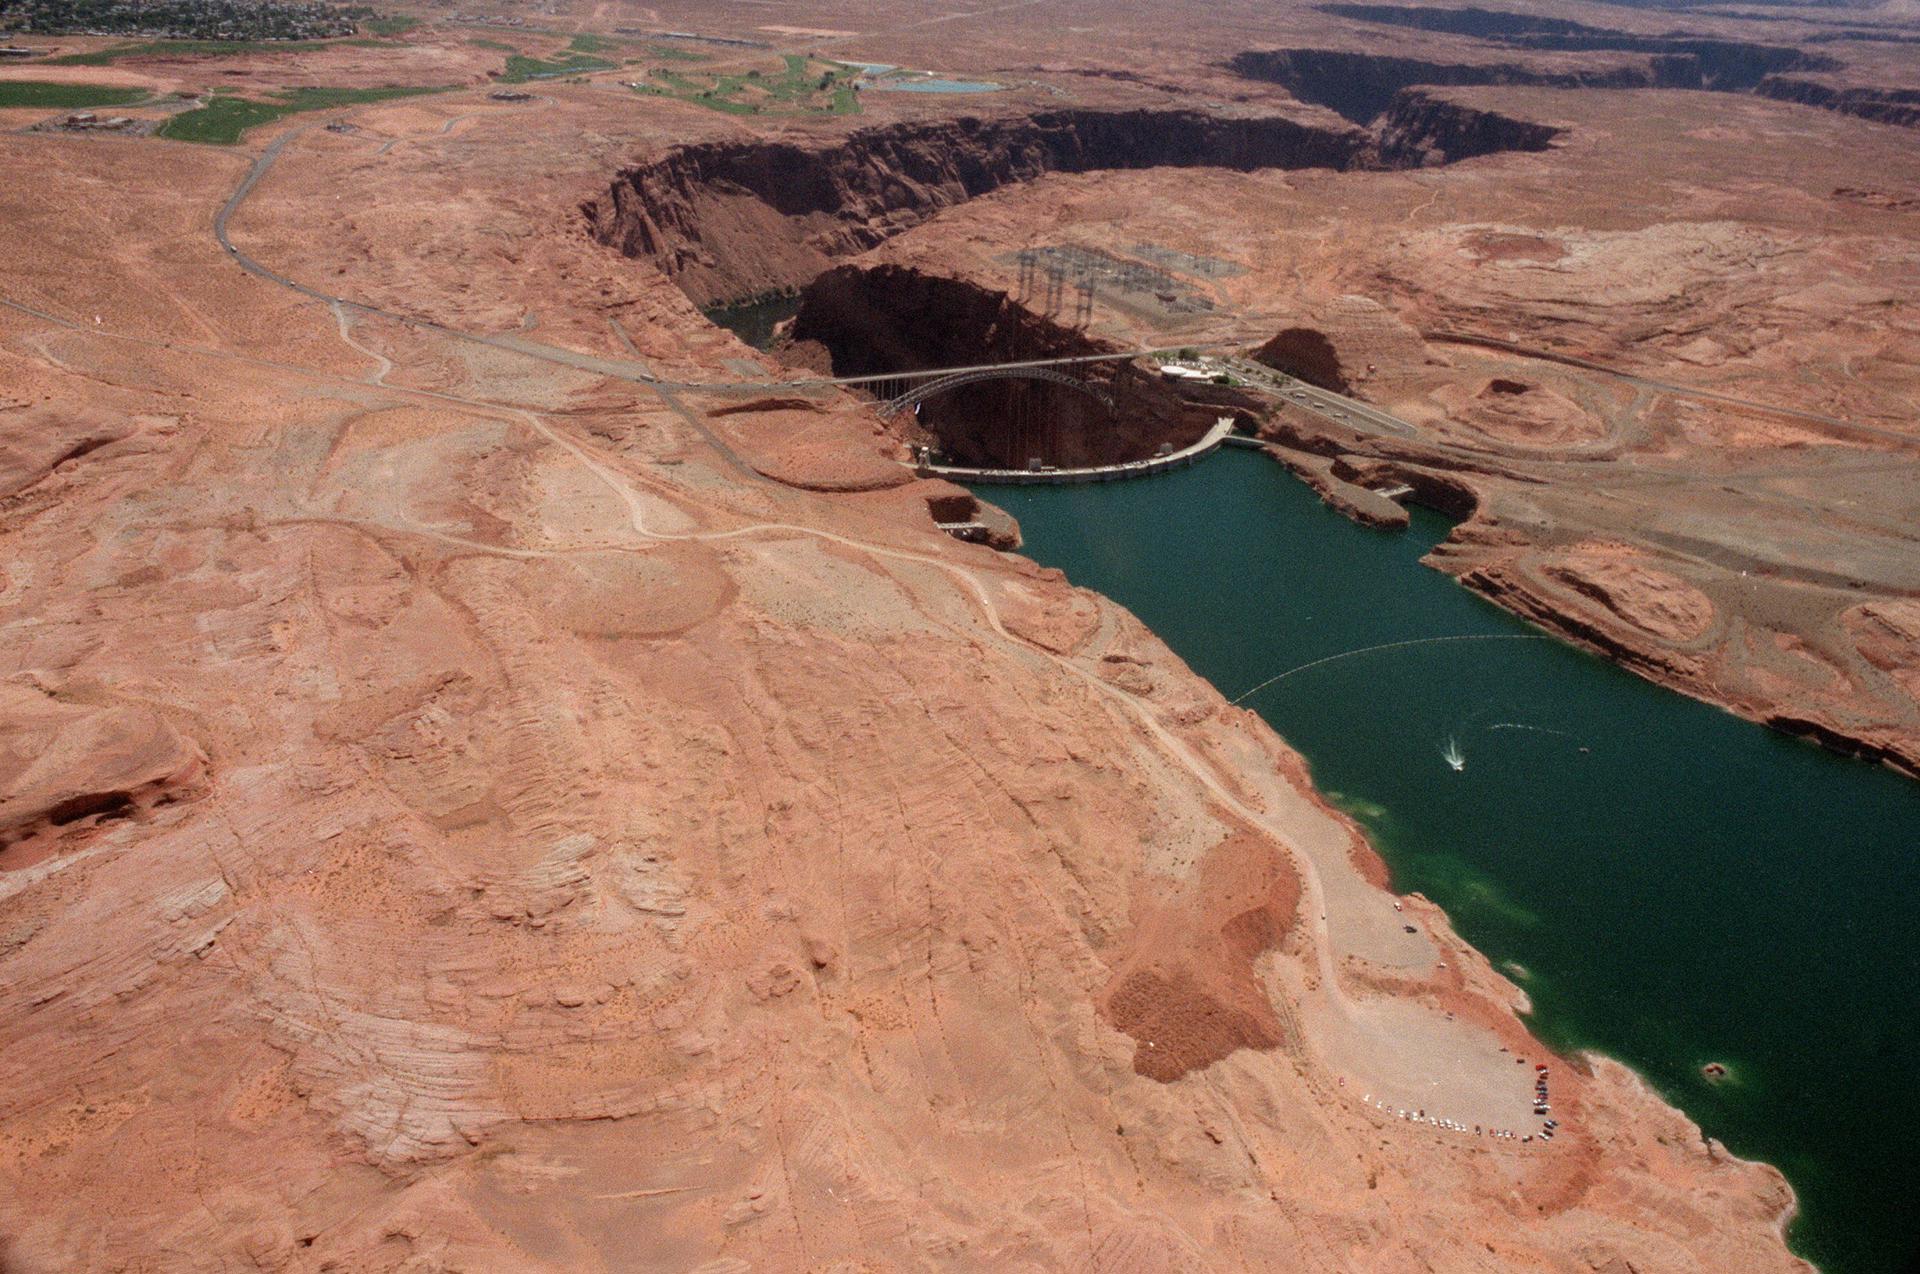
(935, 86)
(1679, 886)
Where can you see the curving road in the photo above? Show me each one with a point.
(619, 369)
(1668, 387)
(1338, 408)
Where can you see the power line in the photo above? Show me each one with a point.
(1390, 645)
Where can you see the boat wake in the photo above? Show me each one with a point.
(1521, 725)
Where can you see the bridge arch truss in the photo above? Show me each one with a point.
(942, 384)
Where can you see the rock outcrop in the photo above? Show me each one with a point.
(1722, 66)
(34, 443)
(1692, 61)
(1470, 20)
(1423, 129)
(1343, 343)
(1881, 105)
(1359, 86)
(74, 760)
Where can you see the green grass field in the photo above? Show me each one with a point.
(222, 121)
(396, 25)
(65, 97)
(803, 87)
(181, 48)
(521, 68)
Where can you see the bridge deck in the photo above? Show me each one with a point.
(931, 373)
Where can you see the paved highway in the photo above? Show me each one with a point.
(586, 362)
(1323, 402)
(1668, 387)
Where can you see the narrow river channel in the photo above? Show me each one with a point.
(1671, 885)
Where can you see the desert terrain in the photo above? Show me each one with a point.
(501, 774)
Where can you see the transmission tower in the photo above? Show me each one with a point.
(1083, 302)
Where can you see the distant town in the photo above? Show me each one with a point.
(184, 19)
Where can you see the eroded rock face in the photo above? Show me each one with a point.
(733, 219)
(1360, 86)
(1727, 66)
(1666, 619)
(71, 761)
(1650, 599)
(1308, 354)
(1346, 344)
(1422, 129)
(1888, 635)
(1520, 413)
(1899, 106)
(1467, 20)
(1672, 60)
(34, 442)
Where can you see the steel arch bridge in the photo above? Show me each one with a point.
(942, 384)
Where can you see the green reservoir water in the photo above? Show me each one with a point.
(1670, 884)
(754, 320)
